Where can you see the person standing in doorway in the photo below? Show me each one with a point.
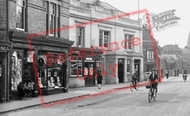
(99, 79)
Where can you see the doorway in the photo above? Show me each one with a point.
(3, 77)
(137, 66)
(89, 74)
(121, 70)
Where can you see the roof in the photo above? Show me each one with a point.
(170, 49)
(184, 50)
(103, 4)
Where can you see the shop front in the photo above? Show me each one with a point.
(4, 67)
(84, 63)
(43, 61)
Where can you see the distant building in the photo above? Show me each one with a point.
(175, 58)
(150, 46)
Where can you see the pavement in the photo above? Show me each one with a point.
(72, 93)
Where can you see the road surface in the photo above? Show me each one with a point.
(173, 100)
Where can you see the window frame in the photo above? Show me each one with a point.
(103, 36)
(80, 33)
(79, 61)
(53, 12)
(23, 9)
(128, 41)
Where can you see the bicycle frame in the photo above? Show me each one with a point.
(152, 94)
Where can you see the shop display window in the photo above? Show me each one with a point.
(16, 69)
(76, 66)
(50, 77)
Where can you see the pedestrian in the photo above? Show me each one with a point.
(134, 79)
(167, 74)
(99, 79)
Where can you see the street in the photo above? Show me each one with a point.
(172, 100)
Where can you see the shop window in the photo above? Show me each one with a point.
(80, 37)
(53, 19)
(76, 66)
(16, 70)
(20, 14)
(50, 76)
(104, 38)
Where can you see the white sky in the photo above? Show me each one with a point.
(172, 35)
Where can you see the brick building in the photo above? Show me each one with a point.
(149, 51)
(20, 18)
(103, 36)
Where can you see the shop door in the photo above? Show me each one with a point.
(89, 74)
(121, 70)
(3, 77)
(137, 67)
(65, 77)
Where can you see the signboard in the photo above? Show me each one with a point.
(161, 21)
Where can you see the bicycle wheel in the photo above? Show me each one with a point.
(154, 95)
(149, 95)
(131, 86)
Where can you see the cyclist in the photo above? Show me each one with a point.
(134, 79)
(184, 71)
(154, 79)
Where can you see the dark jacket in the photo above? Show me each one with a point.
(153, 78)
(99, 79)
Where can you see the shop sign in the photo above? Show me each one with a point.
(3, 48)
(88, 58)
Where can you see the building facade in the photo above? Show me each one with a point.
(31, 49)
(150, 46)
(118, 41)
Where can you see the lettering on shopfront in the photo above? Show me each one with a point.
(3, 48)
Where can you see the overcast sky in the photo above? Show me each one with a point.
(172, 35)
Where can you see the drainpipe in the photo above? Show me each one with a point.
(8, 53)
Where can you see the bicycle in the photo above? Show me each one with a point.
(132, 84)
(152, 94)
(184, 77)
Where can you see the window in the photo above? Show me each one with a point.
(53, 19)
(128, 42)
(20, 14)
(80, 37)
(150, 54)
(104, 38)
(76, 66)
